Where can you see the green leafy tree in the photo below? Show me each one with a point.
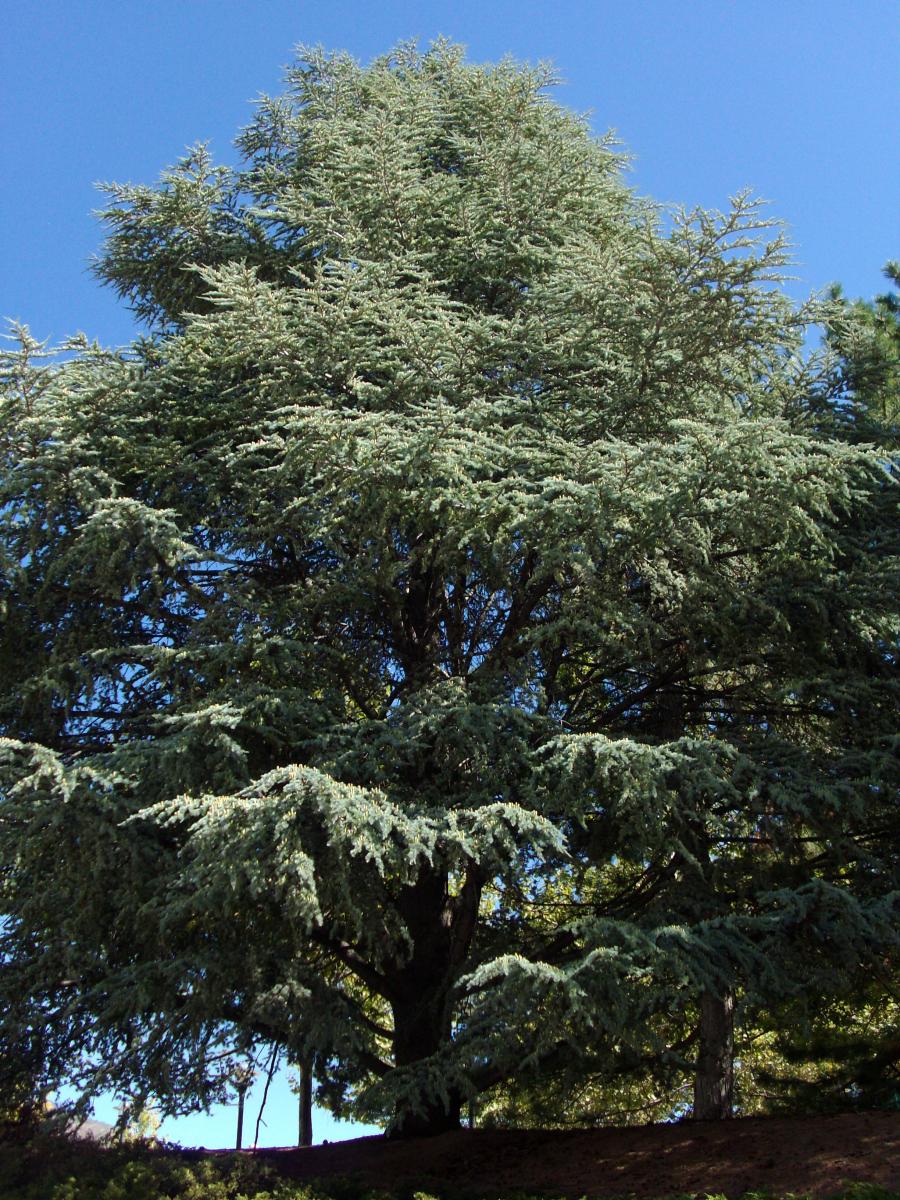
(829, 1054)
(438, 648)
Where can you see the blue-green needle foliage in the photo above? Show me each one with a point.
(446, 642)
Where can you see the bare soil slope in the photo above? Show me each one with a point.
(815, 1155)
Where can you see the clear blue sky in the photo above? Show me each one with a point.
(279, 1125)
(797, 99)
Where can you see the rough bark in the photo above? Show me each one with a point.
(714, 1075)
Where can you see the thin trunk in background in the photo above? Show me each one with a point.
(305, 1135)
(241, 1094)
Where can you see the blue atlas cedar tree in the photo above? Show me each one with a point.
(444, 646)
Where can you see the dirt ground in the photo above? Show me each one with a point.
(816, 1155)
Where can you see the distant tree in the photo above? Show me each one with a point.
(865, 336)
(443, 647)
(242, 1079)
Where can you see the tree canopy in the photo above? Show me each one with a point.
(446, 645)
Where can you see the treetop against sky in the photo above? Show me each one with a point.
(794, 101)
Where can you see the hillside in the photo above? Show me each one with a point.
(810, 1154)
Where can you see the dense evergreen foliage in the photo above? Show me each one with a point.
(844, 1050)
(452, 644)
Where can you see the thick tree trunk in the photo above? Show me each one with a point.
(422, 1028)
(305, 1132)
(714, 1076)
(441, 926)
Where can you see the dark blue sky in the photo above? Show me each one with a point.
(793, 98)
(797, 99)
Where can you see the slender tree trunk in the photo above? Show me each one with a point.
(242, 1092)
(306, 1080)
(714, 1075)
